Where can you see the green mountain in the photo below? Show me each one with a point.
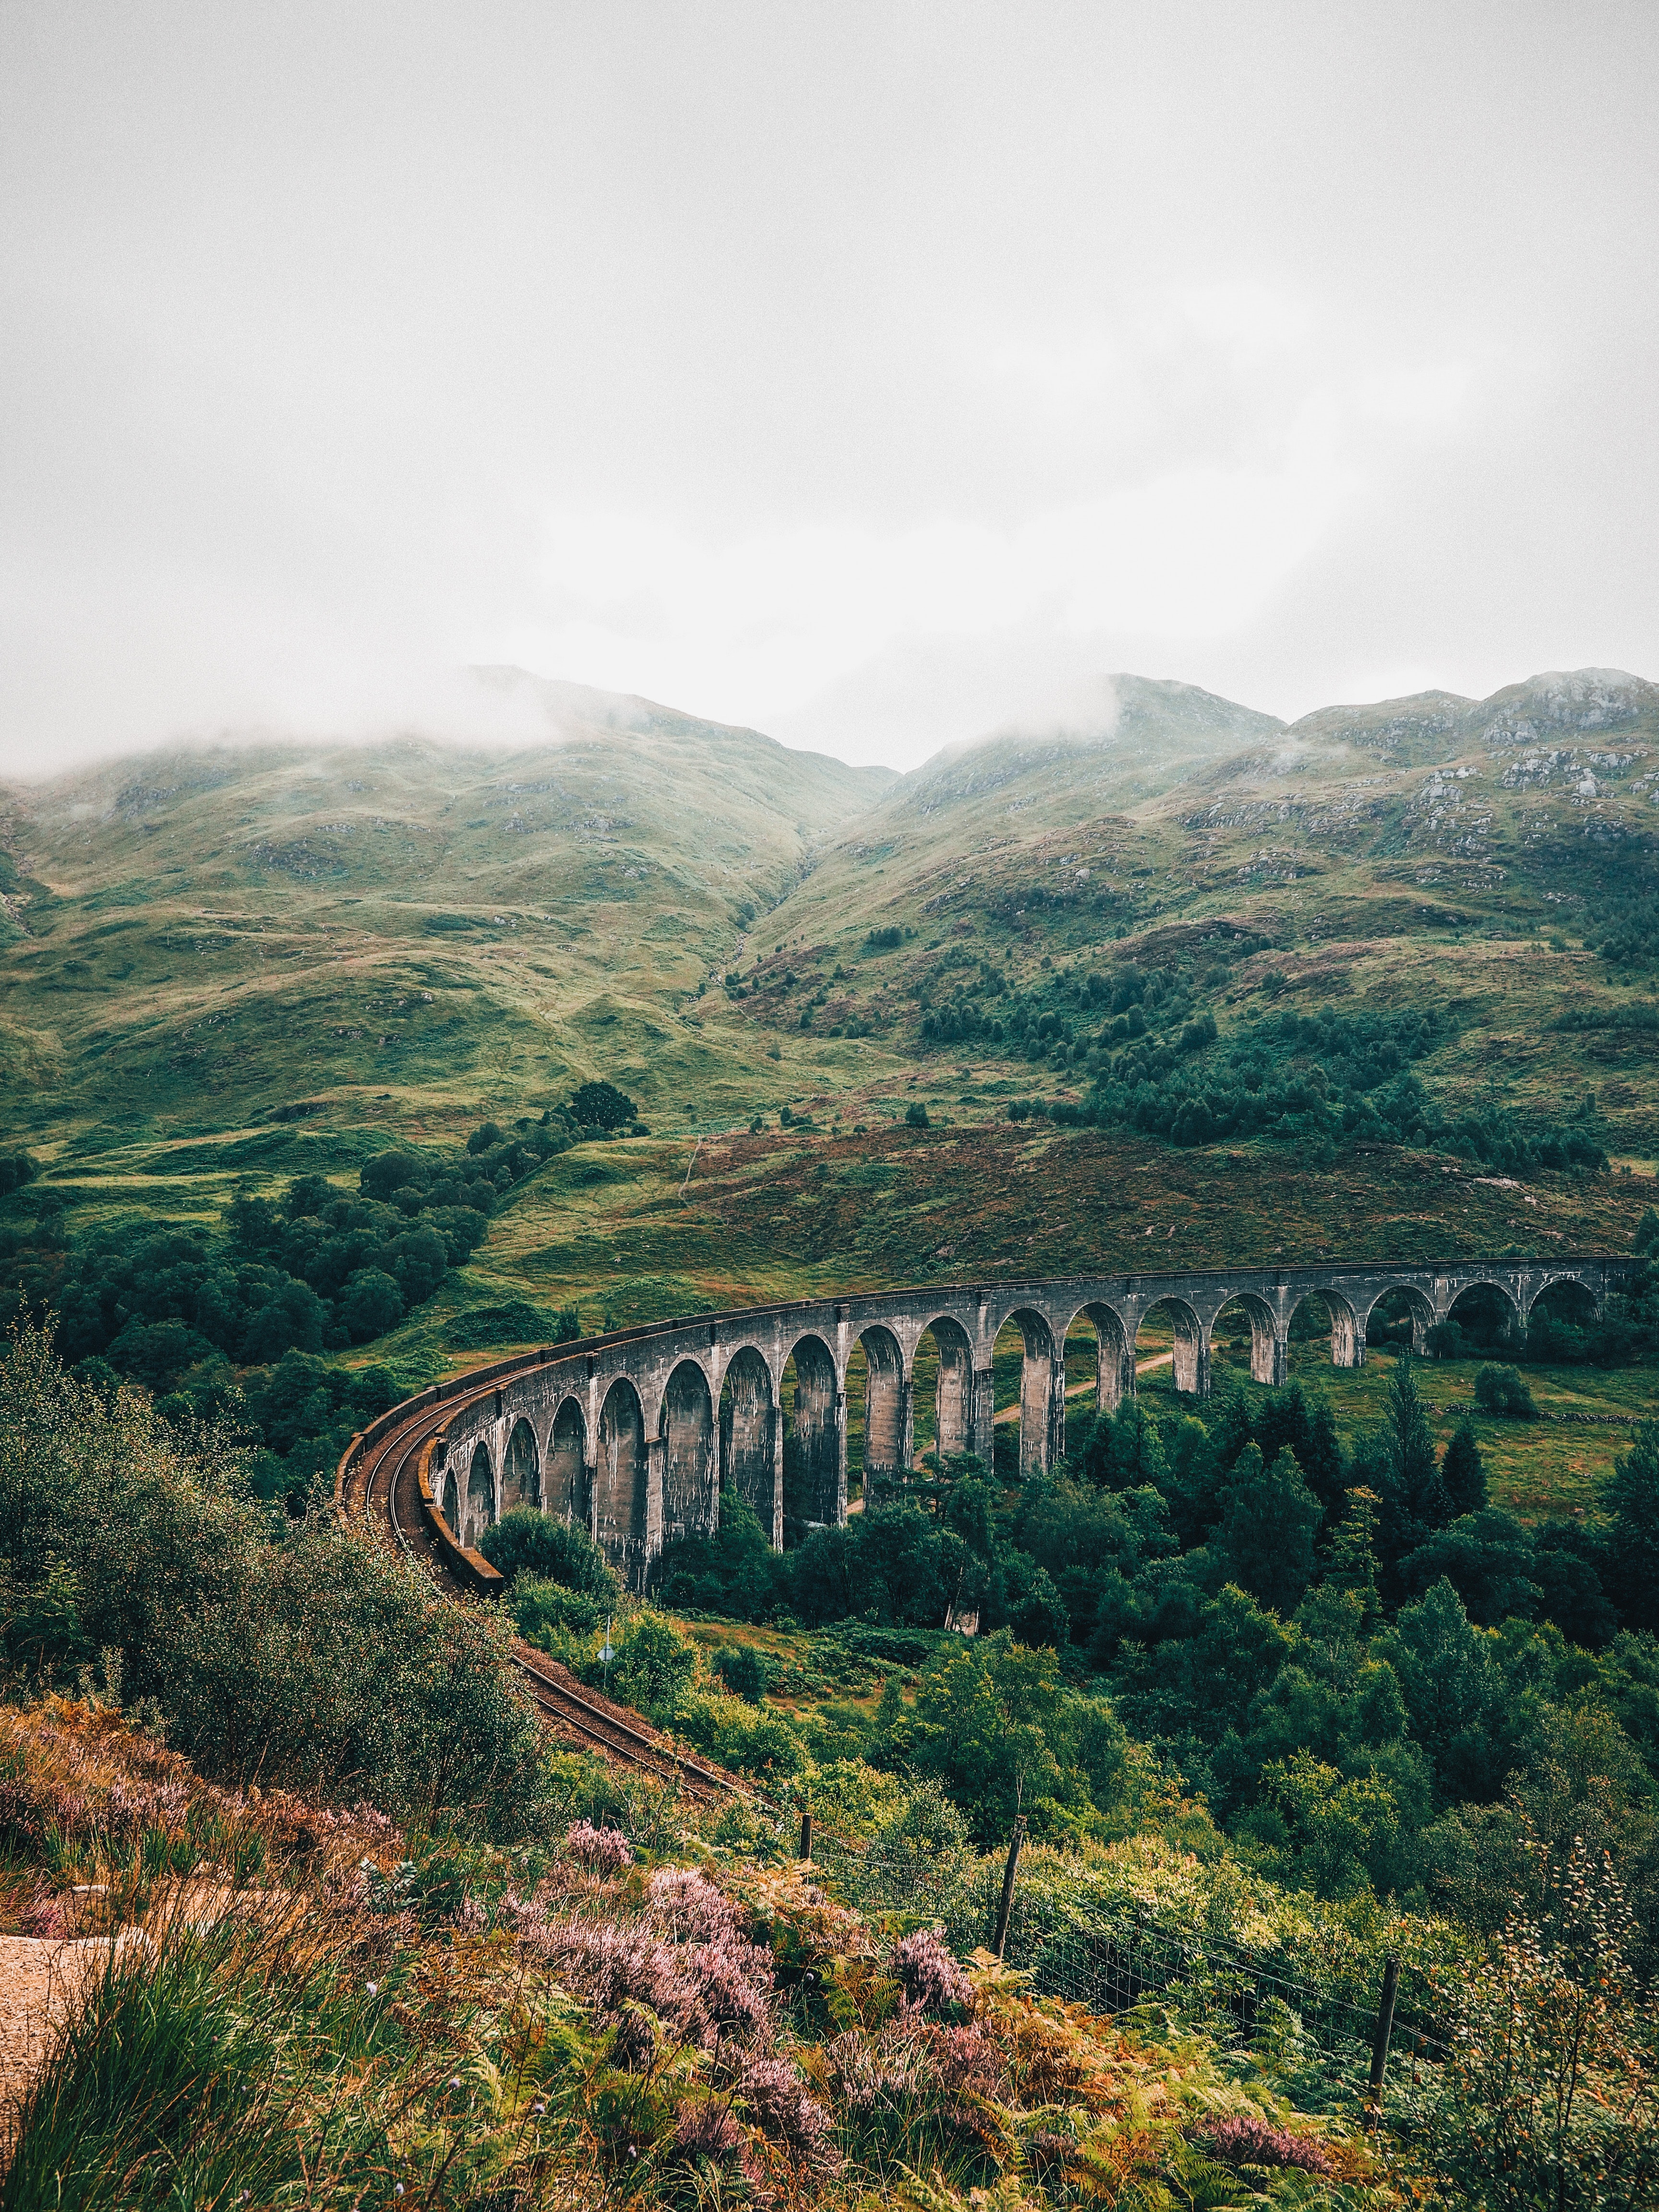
(225, 965)
(1432, 850)
(201, 936)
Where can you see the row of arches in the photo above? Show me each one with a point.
(792, 1455)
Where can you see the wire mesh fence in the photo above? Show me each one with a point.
(1115, 1961)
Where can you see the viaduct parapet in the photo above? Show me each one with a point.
(637, 1434)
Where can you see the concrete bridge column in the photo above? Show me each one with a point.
(907, 1437)
(1281, 1361)
(1347, 1332)
(1054, 1441)
(840, 1456)
(775, 1417)
(656, 1455)
(981, 1422)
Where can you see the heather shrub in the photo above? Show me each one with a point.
(601, 1850)
(931, 1979)
(1244, 2140)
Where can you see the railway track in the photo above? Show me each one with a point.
(381, 1491)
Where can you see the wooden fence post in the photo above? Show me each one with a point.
(1380, 2040)
(1005, 1910)
(805, 1851)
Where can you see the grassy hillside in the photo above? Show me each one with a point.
(196, 941)
(1424, 852)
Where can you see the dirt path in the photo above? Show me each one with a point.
(40, 1977)
(1087, 1389)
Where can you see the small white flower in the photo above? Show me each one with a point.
(538, 2108)
(374, 1988)
(454, 2080)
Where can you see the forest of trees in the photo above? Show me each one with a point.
(1372, 1676)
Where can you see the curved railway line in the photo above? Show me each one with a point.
(379, 1488)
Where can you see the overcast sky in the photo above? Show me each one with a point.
(874, 375)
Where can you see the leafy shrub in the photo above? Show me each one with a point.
(549, 1614)
(526, 1542)
(1502, 1391)
(313, 1658)
(745, 1672)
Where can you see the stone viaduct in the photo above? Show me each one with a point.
(637, 1433)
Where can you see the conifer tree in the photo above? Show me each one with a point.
(1353, 1551)
(1267, 1526)
(1462, 1476)
(1229, 1431)
(1411, 1451)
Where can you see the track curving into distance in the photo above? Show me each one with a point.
(379, 1489)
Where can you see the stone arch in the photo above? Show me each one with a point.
(1555, 1276)
(952, 1409)
(814, 1482)
(1490, 1298)
(450, 1507)
(1267, 1361)
(564, 1487)
(478, 1507)
(521, 1470)
(1114, 1370)
(1191, 1347)
(1416, 1305)
(887, 1431)
(621, 1480)
(1347, 1337)
(690, 1483)
(749, 1439)
(1042, 1391)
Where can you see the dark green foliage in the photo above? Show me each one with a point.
(317, 1271)
(601, 1106)
(1502, 1391)
(745, 1671)
(1487, 1557)
(891, 1563)
(1632, 1502)
(916, 1116)
(1287, 1422)
(526, 1542)
(1316, 1080)
(735, 1572)
(16, 1168)
(1462, 1476)
(1269, 1519)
